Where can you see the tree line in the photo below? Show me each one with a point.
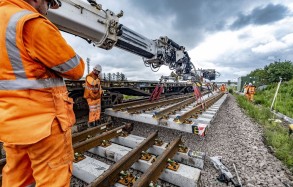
(114, 76)
(272, 72)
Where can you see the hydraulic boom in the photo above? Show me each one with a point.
(102, 28)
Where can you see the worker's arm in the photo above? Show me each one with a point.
(45, 44)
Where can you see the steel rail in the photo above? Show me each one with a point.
(154, 104)
(76, 137)
(136, 102)
(214, 99)
(83, 146)
(182, 118)
(124, 105)
(109, 177)
(169, 110)
(155, 170)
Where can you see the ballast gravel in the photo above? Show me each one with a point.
(237, 139)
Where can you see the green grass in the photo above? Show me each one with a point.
(276, 135)
(284, 101)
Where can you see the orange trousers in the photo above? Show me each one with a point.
(247, 96)
(250, 97)
(94, 109)
(45, 163)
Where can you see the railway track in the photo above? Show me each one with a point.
(167, 161)
(171, 162)
(185, 113)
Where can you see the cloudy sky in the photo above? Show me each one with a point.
(232, 36)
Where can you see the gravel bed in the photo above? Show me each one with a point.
(236, 138)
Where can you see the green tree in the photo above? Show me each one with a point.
(122, 77)
(273, 71)
(261, 74)
(109, 76)
(118, 78)
(279, 69)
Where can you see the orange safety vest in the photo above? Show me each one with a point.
(251, 89)
(34, 57)
(93, 89)
(223, 88)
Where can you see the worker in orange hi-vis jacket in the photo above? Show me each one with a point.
(36, 112)
(251, 91)
(223, 88)
(93, 93)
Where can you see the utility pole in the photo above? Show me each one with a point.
(276, 93)
(88, 60)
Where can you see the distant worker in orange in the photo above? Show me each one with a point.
(223, 88)
(36, 112)
(93, 94)
(250, 92)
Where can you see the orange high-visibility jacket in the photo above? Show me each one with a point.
(93, 89)
(34, 57)
(251, 89)
(223, 88)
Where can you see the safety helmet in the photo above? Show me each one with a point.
(55, 4)
(98, 68)
(250, 84)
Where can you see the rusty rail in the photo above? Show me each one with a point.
(76, 137)
(124, 105)
(182, 118)
(83, 146)
(136, 102)
(155, 170)
(167, 111)
(148, 106)
(110, 177)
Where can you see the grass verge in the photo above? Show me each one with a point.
(276, 135)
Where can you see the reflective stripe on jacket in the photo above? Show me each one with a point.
(34, 57)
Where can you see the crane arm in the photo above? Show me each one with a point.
(102, 28)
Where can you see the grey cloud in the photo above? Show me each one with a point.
(194, 19)
(261, 16)
(246, 60)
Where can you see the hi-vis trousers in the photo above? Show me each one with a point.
(94, 109)
(47, 163)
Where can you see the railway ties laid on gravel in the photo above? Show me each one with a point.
(148, 155)
(181, 113)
